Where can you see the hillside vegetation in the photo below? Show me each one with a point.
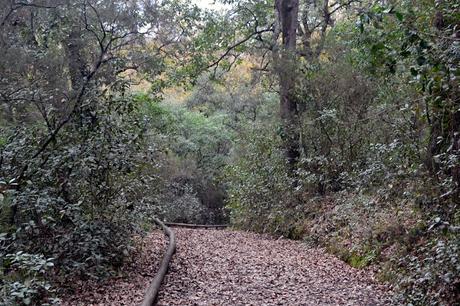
(332, 122)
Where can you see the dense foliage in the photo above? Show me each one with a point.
(377, 181)
(73, 151)
(335, 122)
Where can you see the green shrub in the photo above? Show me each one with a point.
(23, 279)
(431, 274)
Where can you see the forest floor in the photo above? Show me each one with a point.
(223, 267)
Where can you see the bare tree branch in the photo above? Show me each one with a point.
(237, 44)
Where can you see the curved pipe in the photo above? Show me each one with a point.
(154, 288)
(196, 225)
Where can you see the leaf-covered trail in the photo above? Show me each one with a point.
(236, 268)
(213, 267)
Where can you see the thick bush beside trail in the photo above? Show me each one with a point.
(75, 211)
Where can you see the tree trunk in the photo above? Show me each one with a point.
(76, 62)
(288, 11)
(456, 152)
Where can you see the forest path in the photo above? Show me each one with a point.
(237, 268)
(224, 267)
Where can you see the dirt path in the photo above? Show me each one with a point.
(236, 268)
